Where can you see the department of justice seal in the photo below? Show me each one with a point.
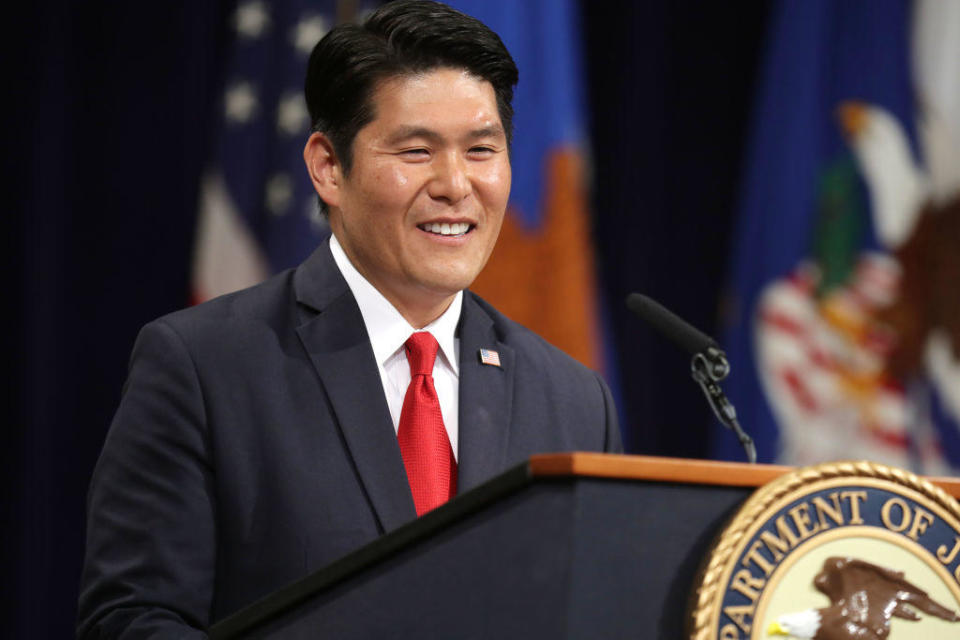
(837, 551)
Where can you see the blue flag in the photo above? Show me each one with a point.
(542, 272)
(835, 331)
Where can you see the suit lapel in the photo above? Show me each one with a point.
(335, 338)
(486, 396)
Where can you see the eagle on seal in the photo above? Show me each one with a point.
(863, 599)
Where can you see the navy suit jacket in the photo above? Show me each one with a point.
(253, 446)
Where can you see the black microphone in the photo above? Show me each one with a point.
(708, 366)
(688, 337)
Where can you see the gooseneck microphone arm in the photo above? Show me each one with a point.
(708, 366)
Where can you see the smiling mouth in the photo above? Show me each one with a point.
(454, 230)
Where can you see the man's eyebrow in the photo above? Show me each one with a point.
(487, 132)
(407, 132)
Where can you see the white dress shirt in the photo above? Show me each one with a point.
(388, 331)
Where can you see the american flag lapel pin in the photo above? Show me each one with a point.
(489, 356)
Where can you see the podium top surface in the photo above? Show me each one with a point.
(682, 470)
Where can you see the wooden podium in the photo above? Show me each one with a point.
(564, 546)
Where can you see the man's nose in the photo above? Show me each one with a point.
(451, 181)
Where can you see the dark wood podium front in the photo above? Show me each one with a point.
(564, 546)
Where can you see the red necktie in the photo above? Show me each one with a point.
(424, 445)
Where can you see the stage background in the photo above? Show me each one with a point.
(114, 112)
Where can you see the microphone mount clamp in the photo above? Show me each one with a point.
(708, 367)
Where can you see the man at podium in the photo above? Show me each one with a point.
(265, 433)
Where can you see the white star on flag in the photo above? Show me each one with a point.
(292, 116)
(251, 19)
(241, 102)
(308, 32)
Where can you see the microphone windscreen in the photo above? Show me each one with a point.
(669, 324)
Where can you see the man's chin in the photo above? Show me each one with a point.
(446, 278)
(444, 288)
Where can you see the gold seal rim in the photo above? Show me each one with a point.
(706, 608)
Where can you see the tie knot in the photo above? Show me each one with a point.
(421, 353)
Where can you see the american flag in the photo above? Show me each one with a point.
(489, 356)
(258, 211)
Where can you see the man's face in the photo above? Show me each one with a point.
(421, 209)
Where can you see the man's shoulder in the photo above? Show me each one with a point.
(528, 344)
(314, 282)
(268, 303)
(559, 403)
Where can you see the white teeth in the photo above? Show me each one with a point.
(446, 229)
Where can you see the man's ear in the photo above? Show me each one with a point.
(324, 168)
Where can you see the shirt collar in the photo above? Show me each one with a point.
(388, 330)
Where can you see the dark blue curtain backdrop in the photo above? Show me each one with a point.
(113, 117)
(670, 88)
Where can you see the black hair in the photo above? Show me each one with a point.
(401, 38)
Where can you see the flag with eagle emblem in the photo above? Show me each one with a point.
(844, 324)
